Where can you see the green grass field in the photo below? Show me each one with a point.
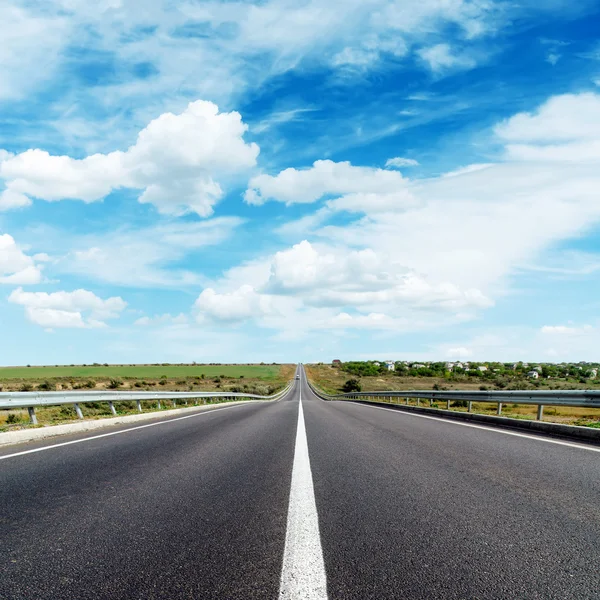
(141, 371)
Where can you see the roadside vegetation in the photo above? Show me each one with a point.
(369, 376)
(261, 379)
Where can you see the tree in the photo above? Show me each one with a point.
(352, 385)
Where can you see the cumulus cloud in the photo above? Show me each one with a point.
(238, 305)
(77, 309)
(306, 288)
(176, 162)
(324, 178)
(16, 267)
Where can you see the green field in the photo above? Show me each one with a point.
(264, 372)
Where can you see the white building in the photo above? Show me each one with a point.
(533, 374)
(483, 368)
(390, 365)
(377, 364)
(593, 373)
(449, 366)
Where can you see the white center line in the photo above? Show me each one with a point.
(303, 573)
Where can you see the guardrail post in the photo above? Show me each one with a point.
(418, 402)
(78, 410)
(174, 403)
(158, 403)
(406, 401)
(139, 405)
(540, 412)
(499, 408)
(448, 404)
(470, 406)
(32, 416)
(113, 410)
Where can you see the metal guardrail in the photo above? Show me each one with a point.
(584, 398)
(31, 400)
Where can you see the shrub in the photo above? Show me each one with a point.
(163, 382)
(26, 387)
(90, 384)
(47, 386)
(460, 404)
(483, 388)
(113, 384)
(12, 418)
(352, 385)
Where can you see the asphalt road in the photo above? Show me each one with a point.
(225, 504)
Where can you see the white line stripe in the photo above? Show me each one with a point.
(103, 435)
(303, 573)
(492, 429)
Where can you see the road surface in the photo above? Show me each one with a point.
(301, 500)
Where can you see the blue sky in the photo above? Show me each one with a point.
(299, 181)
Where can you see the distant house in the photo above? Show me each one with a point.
(459, 365)
(449, 366)
(390, 365)
(377, 364)
(482, 368)
(417, 366)
(337, 362)
(533, 374)
(538, 369)
(593, 373)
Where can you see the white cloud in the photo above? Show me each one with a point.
(441, 58)
(324, 178)
(161, 320)
(241, 304)
(459, 352)
(23, 64)
(566, 330)
(15, 266)
(76, 309)
(450, 243)
(399, 162)
(175, 161)
(141, 257)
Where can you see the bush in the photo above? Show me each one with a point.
(352, 385)
(460, 404)
(163, 382)
(113, 384)
(26, 387)
(90, 384)
(12, 418)
(483, 388)
(46, 386)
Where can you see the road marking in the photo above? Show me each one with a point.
(103, 435)
(303, 572)
(493, 429)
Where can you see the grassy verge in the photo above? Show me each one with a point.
(331, 380)
(262, 380)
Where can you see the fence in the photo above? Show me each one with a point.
(584, 398)
(33, 400)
